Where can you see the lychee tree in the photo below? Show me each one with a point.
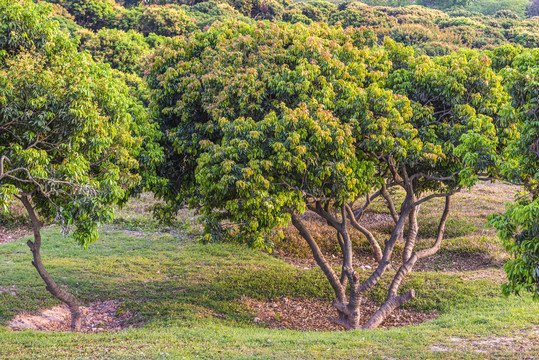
(518, 227)
(70, 134)
(264, 122)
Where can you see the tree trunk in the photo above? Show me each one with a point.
(394, 300)
(413, 230)
(35, 246)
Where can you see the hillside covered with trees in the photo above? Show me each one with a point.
(229, 167)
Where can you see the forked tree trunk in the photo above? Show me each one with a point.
(393, 300)
(348, 307)
(51, 286)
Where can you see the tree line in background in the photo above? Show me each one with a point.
(324, 108)
(431, 30)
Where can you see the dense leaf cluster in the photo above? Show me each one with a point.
(70, 132)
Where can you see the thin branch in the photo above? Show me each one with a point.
(370, 237)
(368, 199)
(435, 178)
(432, 196)
(390, 203)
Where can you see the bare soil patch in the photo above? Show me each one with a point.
(443, 261)
(10, 235)
(99, 316)
(312, 315)
(524, 341)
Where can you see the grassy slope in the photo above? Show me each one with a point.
(188, 296)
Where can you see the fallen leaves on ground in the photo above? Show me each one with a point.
(312, 315)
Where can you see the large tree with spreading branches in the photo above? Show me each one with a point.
(264, 122)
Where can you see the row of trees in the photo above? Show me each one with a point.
(432, 31)
(256, 124)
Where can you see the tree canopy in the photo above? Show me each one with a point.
(266, 121)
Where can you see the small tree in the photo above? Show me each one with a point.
(69, 133)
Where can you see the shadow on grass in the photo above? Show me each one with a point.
(164, 279)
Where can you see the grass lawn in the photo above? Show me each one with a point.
(188, 300)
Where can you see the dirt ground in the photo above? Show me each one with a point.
(98, 316)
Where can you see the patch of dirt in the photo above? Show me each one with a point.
(10, 235)
(377, 221)
(99, 316)
(438, 348)
(457, 261)
(525, 341)
(312, 315)
(442, 261)
(359, 263)
(11, 290)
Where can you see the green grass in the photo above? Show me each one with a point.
(172, 283)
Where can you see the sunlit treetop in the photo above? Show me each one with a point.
(71, 135)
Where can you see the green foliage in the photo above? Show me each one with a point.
(232, 101)
(429, 30)
(490, 7)
(207, 12)
(359, 14)
(392, 3)
(167, 20)
(464, 114)
(70, 133)
(518, 226)
(264, 170)
(308, 12)
(442, 4)
(91, 14)
(23, 30)
(504, 56)
(261, 9)
(124, 51)
(286, 72)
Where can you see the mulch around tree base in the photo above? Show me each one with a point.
(99, 316)
(312, 315)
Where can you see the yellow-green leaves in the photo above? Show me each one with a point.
(70, 132)
(297, 155)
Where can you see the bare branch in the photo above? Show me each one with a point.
(432, 196)
(435, 178)
(370, 237)
(390, 203)
(368, 199)
(332, 220)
